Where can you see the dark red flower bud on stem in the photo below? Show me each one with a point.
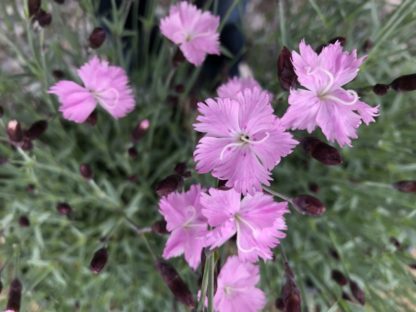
(308, 205)
(14, 131)
(99, 260)
(169, 184)
(63, 208)
(405, 186)
(404, 83)
(380, 89)
(357, 292)
(321, 151)
(290, 299)
(15, 295)
(44, 18)
(36, 129)
(34, 6)
(339, 277)
(97, 37)
(86, 171)
(285, 71)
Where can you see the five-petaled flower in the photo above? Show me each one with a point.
(193, 30)
(257, 220)
(236, 287)
(104, 84)
(324, 102)
(188, 227)
(244, 140)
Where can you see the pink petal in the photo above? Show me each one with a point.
(232, 87)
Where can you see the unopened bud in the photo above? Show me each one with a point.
(24, 221)
(63, 208)
(99, 260)
(321, 151)
(58, 74)
(345, 296)
(339, 277)
(34, 7)
(1, 111)
(308, 205)
(14, 131)
(404, 83)
(291, 300)
(97, 37)
(313, 187)
(405, 186)
(132, 152)
(181, 169)
(381, 89)
(92, 118)
(44, 18)
(36, 129)
(27, 144)
(175, 283)
(285, 71)
(394, 241)
(15, 296)
(334, 254)
(86, 171)
(169, 184)
(159, 227)
(140, 130)
(357, 292)
(412, 266)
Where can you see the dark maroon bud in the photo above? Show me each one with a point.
(321, 151)
(36, 129)
(395, 242)
(132, 152)
(404, 83)
(178, 58)
(30, 188)
(97, 37)
(86, 171)
(181, 169)
(334, 254)
(14, 131)
(313, 187)
(27, 144)
(309, 143)
(412, 266)
(92, 118)
(339, 277)
(309, 205)
(367, 45)
(34, 7)
(1, 286)
(58, 74)
(159, 227)
(292, 301)
(405, 186)
(15, 296)
(169, 184)
(60, 1)
(180, 88)
(175, 283)
(24, 221)
(381, 89)
(99, 260)
(357, 292)
(1, 111)
(44, 18)
(140, 130)
(285, 71)
(63, 208)
(279, 304)
(345, 296)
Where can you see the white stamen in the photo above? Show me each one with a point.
(225, 148)
(338, 100)
(238, 237)
(328, 74)
(244, 139)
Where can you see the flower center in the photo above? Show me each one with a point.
(108, 98)
(242, 140)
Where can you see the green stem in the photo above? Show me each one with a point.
(211, 284)
(204, 285)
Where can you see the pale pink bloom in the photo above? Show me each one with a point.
(194, 31)
(236, 287)
(325, 103)
(256, 219)
(244, 140)
(103, 84)
(232, 87)
(188, 227)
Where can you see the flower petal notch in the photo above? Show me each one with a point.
(323, 102)
(103, 84)
(193, 30)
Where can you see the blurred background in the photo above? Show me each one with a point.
(368, 231)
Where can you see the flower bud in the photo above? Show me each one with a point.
(334, 254)
(34, 7)
(339, 277)
(24, 221)
(36, 129)
(345, 296)
(381, 89)
(132, 152)
(140, 130)
(44, 18)
(291, 300)
(86, 171)
(412, 266)
(27, 144)
(159, 227)
(321, 151)
(169, 184)
(97, 37)
(285, 71)
(63, 208)
(1, 286)
(313, 187)
(92, 118)
(405, 186)
(58, 74)
(14, 131)
(308, 205)
(394, 241)
(15, 295)
(175, 283)
(404, 83)
(1, 111)
(181, 170)
(357, 292)
(99, 260)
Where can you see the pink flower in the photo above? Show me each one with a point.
(232, 87)
(244, 140)
(104, 84)
(236, 288)
(182, 212)
(193, 30)
(256, 219)
(324, 102)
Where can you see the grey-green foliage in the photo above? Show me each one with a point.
(363, 212)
